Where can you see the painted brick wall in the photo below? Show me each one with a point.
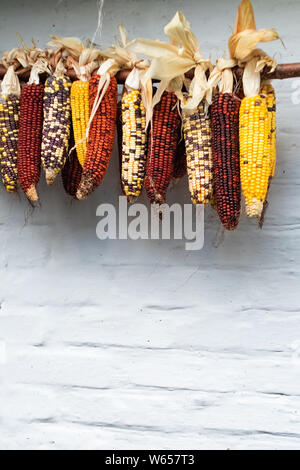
(122, 344)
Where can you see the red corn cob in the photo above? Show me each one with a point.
(72, 171)
(30, 138)
(180, 159)
(162, 148)
(101, 137)
(226, 159)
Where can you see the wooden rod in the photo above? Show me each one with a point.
(283, 71)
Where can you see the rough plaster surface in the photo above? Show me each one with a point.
(124, 345)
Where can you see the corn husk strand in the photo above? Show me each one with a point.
(57, 123)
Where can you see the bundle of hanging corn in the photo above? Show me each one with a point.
(9, 118)
(31, 125)
(225, 145)
(170, 63)
(57, 122)
(257, 115)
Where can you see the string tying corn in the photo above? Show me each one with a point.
(101, 137)
(197, 135)
(226, 163)
(57, 122)
(162, 148)
(133, 143)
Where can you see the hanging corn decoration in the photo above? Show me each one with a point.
(72, 171)
(57, 123)
(162, 146)
(133, 144)
(101, 137)
(197, 136)
(9, 129)
(30, 136)
(226, 160)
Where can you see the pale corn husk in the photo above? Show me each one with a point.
(171, 61)
(246, 37)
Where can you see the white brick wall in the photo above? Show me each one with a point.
(142, 344)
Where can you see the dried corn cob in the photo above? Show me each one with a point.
(30, 137)
(269, 92)
(101, 137)
(255, 155)
(72, 171)
(197, 136)
(134, 143)
(180, 159)
(226, 159)
(162, 148)
(80, 116)
(57, 123)
(120, 134)
(9, 132)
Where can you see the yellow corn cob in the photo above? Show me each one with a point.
(80, 116)
(133, 143)
(197, 136)
(255, 155)
(269, 92)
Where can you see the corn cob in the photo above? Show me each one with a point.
(57, 123)
(119, 135)
(30, 137)
(226, 159)
(101, 137)
(269, 92)
(180, 159)
(72, 170)
(9, 132)
(197, 136)
(133, 144)
(255, 155)
(162, 148)
(80, 116)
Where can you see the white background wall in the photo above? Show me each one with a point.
(142, 344)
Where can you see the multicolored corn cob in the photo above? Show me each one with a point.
(72, 171)
(80, 116)
(197, 136)
(57, 123)
(180, 159)
(120, 134)
(255, 155)
(101, 137)
(30, 138)
(133, 144)
(226, 158)
(9, 132)
(162, 148)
